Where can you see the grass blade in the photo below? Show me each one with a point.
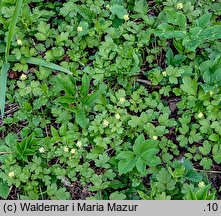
(12, 27)
(40, 62)
(0, 5)
(3, 80)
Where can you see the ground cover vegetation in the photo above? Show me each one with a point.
(111, 99)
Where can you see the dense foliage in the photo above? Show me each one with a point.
(139, 115)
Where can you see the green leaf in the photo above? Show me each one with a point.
(176, 18)
(148, 154)
(85, 12)
(66, 86)
(178, 59)
(198, 36)
(40, 36)
(146, 147)
(66, 100)
(40, 62)
(92, 98)
(201, 194)
(135, 121)
(12, 27)
(1, 3)
(204, 20)
(141, 7)
(206, 148)
(169, 57)
(85, 85)
(192, 175)
(214, 137)
(54, 132)
(141, 166)
(3, 80)
(43, 72)
(4, 190)
(189, 85)
(118, 10)
(188, 164)
(190, 195)
(140, 139)
(153, 161)
(81, 118)
(127, 162)
(164, 180)
(211, 71)
(117, 196)
(216, 151)
(207, 163)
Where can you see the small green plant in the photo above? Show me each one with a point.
(135, 113)
(143, 154)
(8, 58)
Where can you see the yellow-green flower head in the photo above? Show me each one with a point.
(164, 73)
(105, 123)
(211, 93)
(200, 115)
(66, 149)
(122, 100)
(11, 174)
(117, 116)
(41, 150)
(126, 17)
(179, 6)
(23, 77)
(19, 42)
(79, 29)
(201, 184)
(73, 151)
(79, 143)
(155, 137)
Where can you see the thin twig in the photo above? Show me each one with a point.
(209, 171)
(2, 153)
(147, 82)
(12, 110)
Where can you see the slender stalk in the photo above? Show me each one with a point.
(3, 80)
(3, 153)
(209, 171)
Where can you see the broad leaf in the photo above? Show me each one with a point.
(204, 20)
(176, 18)
(140, 148)
(81, 118)
(85, 85)
(118, 10)
(141, 166)
(153, 161)
(92, 98)
(149, 153)
(192, 175)
(127, 162)
(137, 144)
